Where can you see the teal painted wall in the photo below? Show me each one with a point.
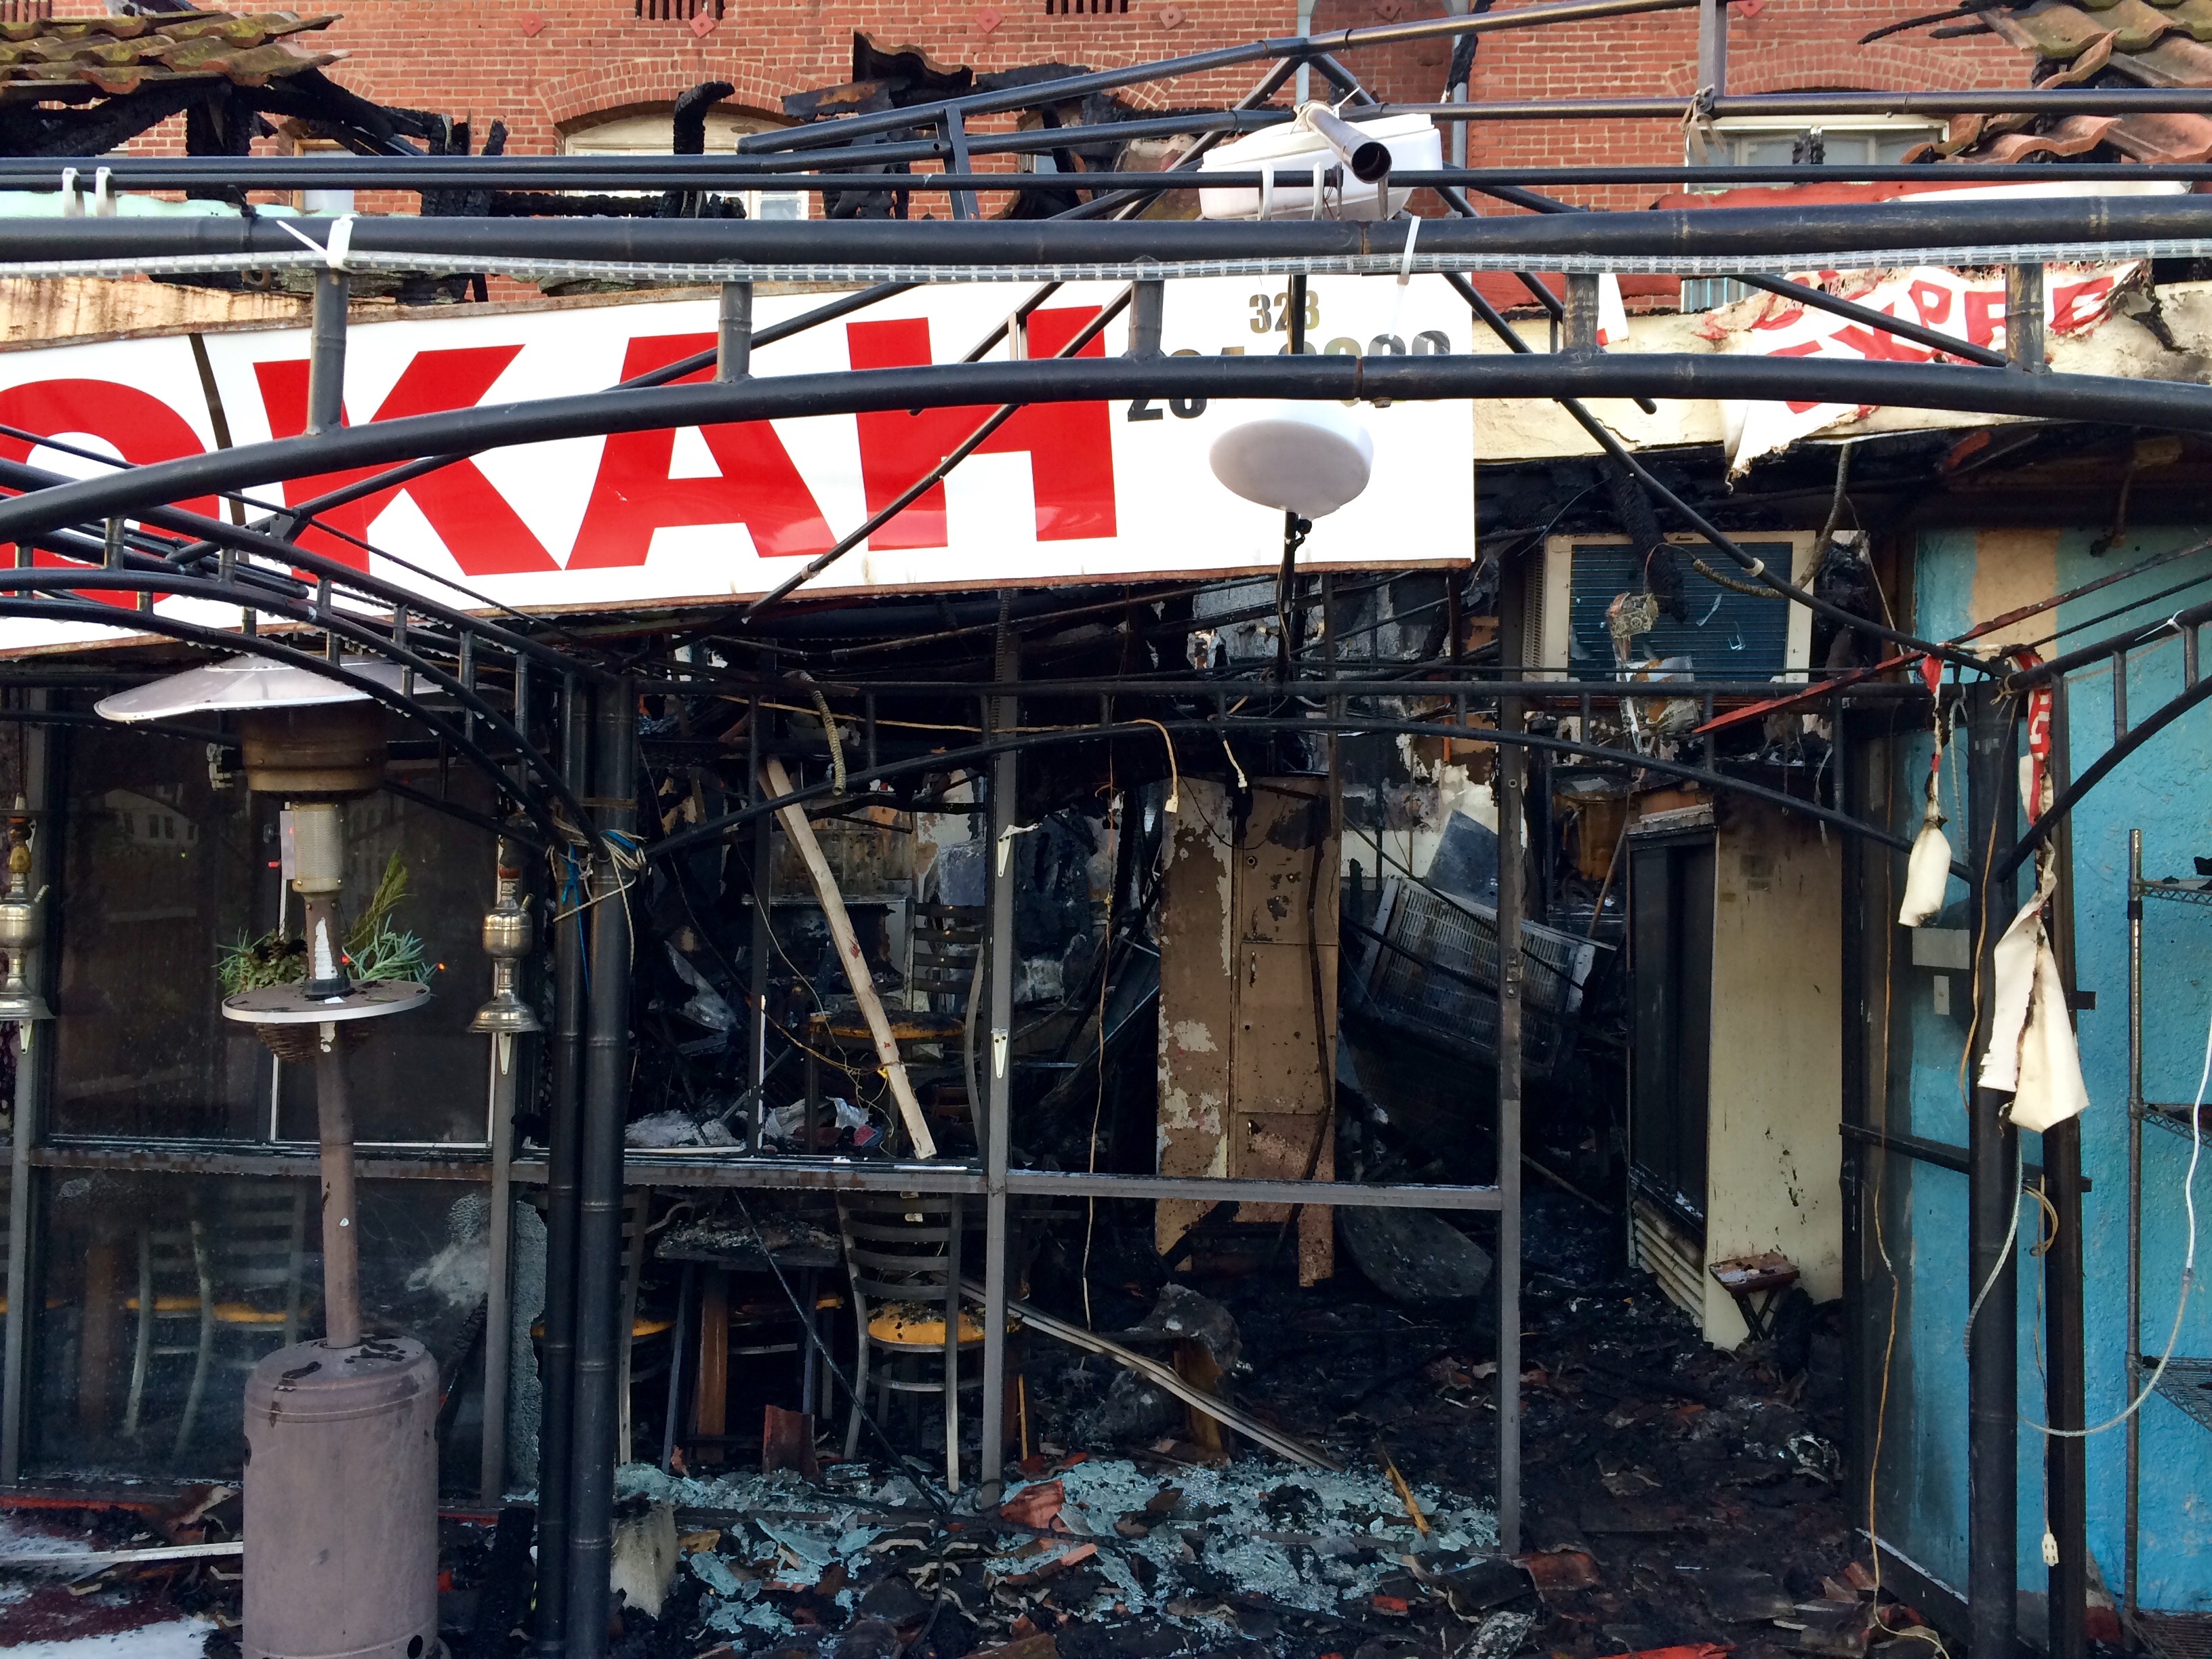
(2165, 790)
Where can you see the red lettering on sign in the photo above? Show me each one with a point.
(634, 495)
(2076, 305)
(1984, 315)
(480, 529)
(1932, 300)
(1802, 349)
(1878, 345)
(1070, 446)
(143, 428)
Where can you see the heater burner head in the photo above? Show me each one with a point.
(306, 737)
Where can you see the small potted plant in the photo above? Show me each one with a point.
(375, 951)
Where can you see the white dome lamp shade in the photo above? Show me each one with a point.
(1308, 459)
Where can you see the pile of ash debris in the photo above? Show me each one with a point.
(1677, 1498)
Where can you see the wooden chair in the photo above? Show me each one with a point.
(903, 1255)
(168, 1255)
(636, 1326)
(237, 1267)
(947, 942)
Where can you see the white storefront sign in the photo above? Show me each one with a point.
(1061, 493)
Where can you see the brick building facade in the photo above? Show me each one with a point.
(552, 69)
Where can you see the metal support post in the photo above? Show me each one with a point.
(998, 1083)
(1581, 311)
(327, 352)
(1858, 1439)
(2065, 1456)
(1993, 1341)
(599, 1183)
(334, 1118)
(2024, 343)
(2133, 1353)
(764, 859)
(733, 339)
(563, 1158)
(1712, 46)
(508, 924)
(31, 1073)
(1457, 92)
(956, 160)
(1512, 611)
(1147, 308)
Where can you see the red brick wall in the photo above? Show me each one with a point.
(545, 65)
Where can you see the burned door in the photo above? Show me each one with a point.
(1247, 1001)
(1671, 944)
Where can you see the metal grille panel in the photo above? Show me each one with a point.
(1438, 975)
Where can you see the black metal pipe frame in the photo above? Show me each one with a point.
(594, 1452)
(1853, 1117)
(1512, 619)
(1622, 238)
(2065, 1387)
(2097, 770)
(1819, 299)
(2155, 403)
(327, 619)
(557, 1440)
(803, 172)
(107, 616)
(1993, 1201)
(170, 559)
(949, 760)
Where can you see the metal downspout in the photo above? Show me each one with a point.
(599, 1185)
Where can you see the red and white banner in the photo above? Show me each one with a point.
(1966, 307)
(1060, 493)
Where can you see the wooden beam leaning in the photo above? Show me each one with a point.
(849, 953)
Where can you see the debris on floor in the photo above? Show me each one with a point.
(1679, 1503)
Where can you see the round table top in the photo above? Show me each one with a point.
(289, 1005)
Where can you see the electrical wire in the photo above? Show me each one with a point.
(1098, 1102)
(2188, 1268)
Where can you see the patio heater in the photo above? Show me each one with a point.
(342, 1464)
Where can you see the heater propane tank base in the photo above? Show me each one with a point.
(342, 1502)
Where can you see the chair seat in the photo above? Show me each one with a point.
(240, 1312)
(907, 1025)
(163, 1304)
(910, 1325)
(643, 1325)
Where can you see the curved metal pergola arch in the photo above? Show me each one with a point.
(2164, 404)
(213, 537)
(532, 801)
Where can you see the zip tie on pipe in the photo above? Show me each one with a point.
(1006, 841)
(1413, 235)
(332, 252)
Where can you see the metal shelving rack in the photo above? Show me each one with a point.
(2187, 1382)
